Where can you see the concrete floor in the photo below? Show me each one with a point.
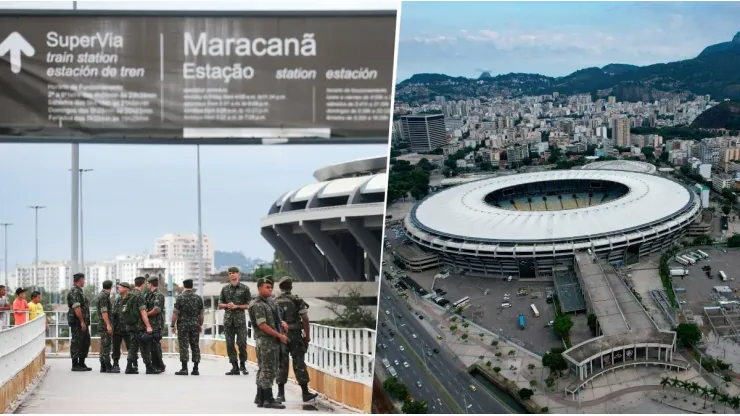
(64, 391)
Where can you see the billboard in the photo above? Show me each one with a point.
(97, 76)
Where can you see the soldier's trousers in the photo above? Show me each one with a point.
(157, 347)
(240, 333)
(80, 345)
(106, 341)
(267, 359)
(117, 338)
(296, 349)
(188, 339)
(139, 342)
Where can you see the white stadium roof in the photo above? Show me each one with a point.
(624, 165)
(462, 211)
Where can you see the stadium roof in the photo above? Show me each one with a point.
(461, 212)
(623, 165)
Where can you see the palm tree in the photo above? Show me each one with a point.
(675, 382)
(664, 381)
(724, 399)
(713, 392)
(735, 402)
(705, 394)
(694, 387)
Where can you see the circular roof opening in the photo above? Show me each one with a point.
(556, 195)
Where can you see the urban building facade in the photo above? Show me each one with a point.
(424, 132)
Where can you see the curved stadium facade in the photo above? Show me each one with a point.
(331, 230)
(526, 225)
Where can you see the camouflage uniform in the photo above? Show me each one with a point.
(293, 307)
(80, 344)
(119, 331)
(155, 300)
(235, 320)
(103, 304)
(133, 304)
(188, 307)
(268, 347)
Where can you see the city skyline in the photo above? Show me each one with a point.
(501, 37)
(124, 175)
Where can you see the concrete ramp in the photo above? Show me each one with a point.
(212, 392)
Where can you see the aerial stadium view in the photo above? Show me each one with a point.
(557, 245)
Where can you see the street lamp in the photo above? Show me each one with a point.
(201, 272)
(82, 228)
(5, 258)
(36, 208)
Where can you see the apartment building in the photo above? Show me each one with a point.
(184, 247)
(424, 132)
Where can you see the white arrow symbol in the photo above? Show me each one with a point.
(16, 44)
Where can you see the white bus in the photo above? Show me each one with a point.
(682, 261)
(723, 276)
(689, 259)
(703, 254)
(461, 302)
(534, 310)
(386, 364)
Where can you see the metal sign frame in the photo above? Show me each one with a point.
(123, 138)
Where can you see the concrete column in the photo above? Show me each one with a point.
(295, 263)
(332, 253)
(366, 239)
(309, 262)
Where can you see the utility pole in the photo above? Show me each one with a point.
(75, 208)
(201, 271)
(82, 229)
(36, 209)
(5, 262)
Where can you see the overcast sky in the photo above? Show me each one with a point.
(555, 38)
(137, 193)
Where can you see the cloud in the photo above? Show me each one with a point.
(432, 39)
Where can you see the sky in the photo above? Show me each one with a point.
(137, 193)
(555, 38)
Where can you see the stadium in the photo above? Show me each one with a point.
(527, 225)
(331, 230)
(624, 165)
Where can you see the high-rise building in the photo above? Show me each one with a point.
(709, 151)
(621, 132)
(184, 247)
(424, 132)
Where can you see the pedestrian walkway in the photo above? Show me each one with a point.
(212, 392)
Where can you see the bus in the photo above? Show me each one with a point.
(703, 254)
(682, 261)
(534, 310)
(723, 276)
(461, 302)
(386, 364)
(689, 259)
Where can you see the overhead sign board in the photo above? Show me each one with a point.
(101, 75)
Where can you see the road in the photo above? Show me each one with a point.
(444, 366)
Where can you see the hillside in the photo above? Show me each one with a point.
(725, 115)
(713, 72)
(237, 259)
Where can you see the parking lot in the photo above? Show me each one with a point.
(485, 309)
(698, 286)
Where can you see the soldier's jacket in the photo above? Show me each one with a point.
(238, 295)
(130, 312)
(103, 304)
(264, 311)
(115, 319)
(188, 307)
(76, 298)
(155, 300)
(293, 307)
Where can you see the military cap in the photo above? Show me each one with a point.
(107, 282)
(127, 285)
(233, 270)
(264, 280)
(188, 280)
(285, 279)
(153, 279)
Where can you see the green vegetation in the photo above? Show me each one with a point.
(592, 322)
(702, 240)
(562, 325)
(688, 334)
(525, 394)
(665, 275)
(722, 116)
(554, 361)
(406, 179)
(412, 407)
(396, 389)
(733, 241)
(674, 132)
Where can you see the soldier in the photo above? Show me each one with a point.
(119, 329)
(264, 317)
(295, 315)
(187, 323)
(78, 318)
(137, 289)
(139, 330)
(103, 305)
(156, 312)
(235, 299)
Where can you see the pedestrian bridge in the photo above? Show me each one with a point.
(35, 375)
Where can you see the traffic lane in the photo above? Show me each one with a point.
(444, 364)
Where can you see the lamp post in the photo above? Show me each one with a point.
(5, 246)
(201, 272)
(82, 229)
(36, 209)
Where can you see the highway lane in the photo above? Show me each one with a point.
(449, 371)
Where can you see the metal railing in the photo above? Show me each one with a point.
(345, 353)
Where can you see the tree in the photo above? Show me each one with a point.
(705, 394)
(525, 394)
(702, 240)
(688, 334)
(726, 209)
(412, 407)
(562, 325)
(554, 361)
(396, 389)
(349, 311)
(733, 241)
(592, 322)
(664, 381)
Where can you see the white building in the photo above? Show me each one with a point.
(177, 247)
(52, 276)
(127, 267)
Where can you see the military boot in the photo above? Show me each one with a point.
(234, 369)
(82, 365)
(76, 365)
(259, 398)
(150, 369)
(281, 393)
(184, 370)
(307, 395)
(130, 369)
(116, 368)
(269, 401)
(109, 368)
(243, 368)
(195, 371)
